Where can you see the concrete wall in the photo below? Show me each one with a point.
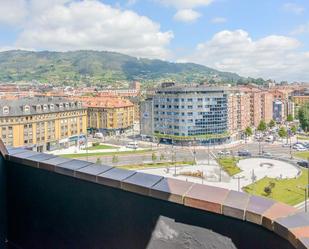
(48, 210)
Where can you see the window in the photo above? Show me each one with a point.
(38, 108)
(26, 108)
(6, 110)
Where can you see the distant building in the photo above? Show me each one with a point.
(267, 100)
(146, 118)
(109, 115)
(278, 111)
(238, 112)
(300, 100)
(41, 123)
(290, 108)
(191, 113)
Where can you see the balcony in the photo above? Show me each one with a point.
(48, 202)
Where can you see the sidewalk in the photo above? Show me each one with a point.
(75, 150)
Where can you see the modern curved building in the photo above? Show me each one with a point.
(191, 113)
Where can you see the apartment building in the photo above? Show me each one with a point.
(111, 115)
(191, 113)
(267, 110)
(41, 123)
(300, 100)
(146, 118)
(238, 111)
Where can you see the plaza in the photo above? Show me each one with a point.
(253, 169)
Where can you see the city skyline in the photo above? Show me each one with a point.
(257, 39)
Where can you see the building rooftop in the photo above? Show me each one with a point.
(191, 88)
(37, 105)
(106, 102)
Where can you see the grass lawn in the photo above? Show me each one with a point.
(303, 154)
(156, 165)
(101, 147)
(286, 191)
(302, 138)
(83, 155)
(229, 164)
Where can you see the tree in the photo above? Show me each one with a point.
(272, 123)
(162, 157)
(294, 129)
(303, 116)
(290, 118)
(153, 156)
(99, 161)
(248, 131)
(282, 132)
(267, 190)
(262, 126)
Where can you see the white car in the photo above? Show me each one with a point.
(285, 145)
(98, 135)
(270, 139)
(301, 149)
(132, 145)
(224, 153)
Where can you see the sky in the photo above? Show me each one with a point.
(256, 38)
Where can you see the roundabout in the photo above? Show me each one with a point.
(266, 167)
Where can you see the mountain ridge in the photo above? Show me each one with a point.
(102, 68)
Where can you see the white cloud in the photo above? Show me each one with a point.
(93, 25)
(186, 15)
(293, 8)
(12, 12)
(302, 29)
(218, 20)
(131, 2)
(273, 56)
(186, 4)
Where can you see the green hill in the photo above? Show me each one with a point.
(101, 68)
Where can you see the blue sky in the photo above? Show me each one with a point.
(265, 38)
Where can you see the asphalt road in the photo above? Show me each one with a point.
(187, 153)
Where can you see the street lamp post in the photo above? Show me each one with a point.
(308, 176)
(306, 199)
(208, 153)
(305, 190)
(194, 151)
(291, 154)
(238, 178)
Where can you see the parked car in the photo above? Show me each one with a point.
(301, 149)
(303, 163)
(244, 153)
(132, 145)
(224, 153)
(98, 135)
(269, 139)
(266, 153)
(297, 146)
(285, 145)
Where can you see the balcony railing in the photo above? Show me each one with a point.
(53, 202)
